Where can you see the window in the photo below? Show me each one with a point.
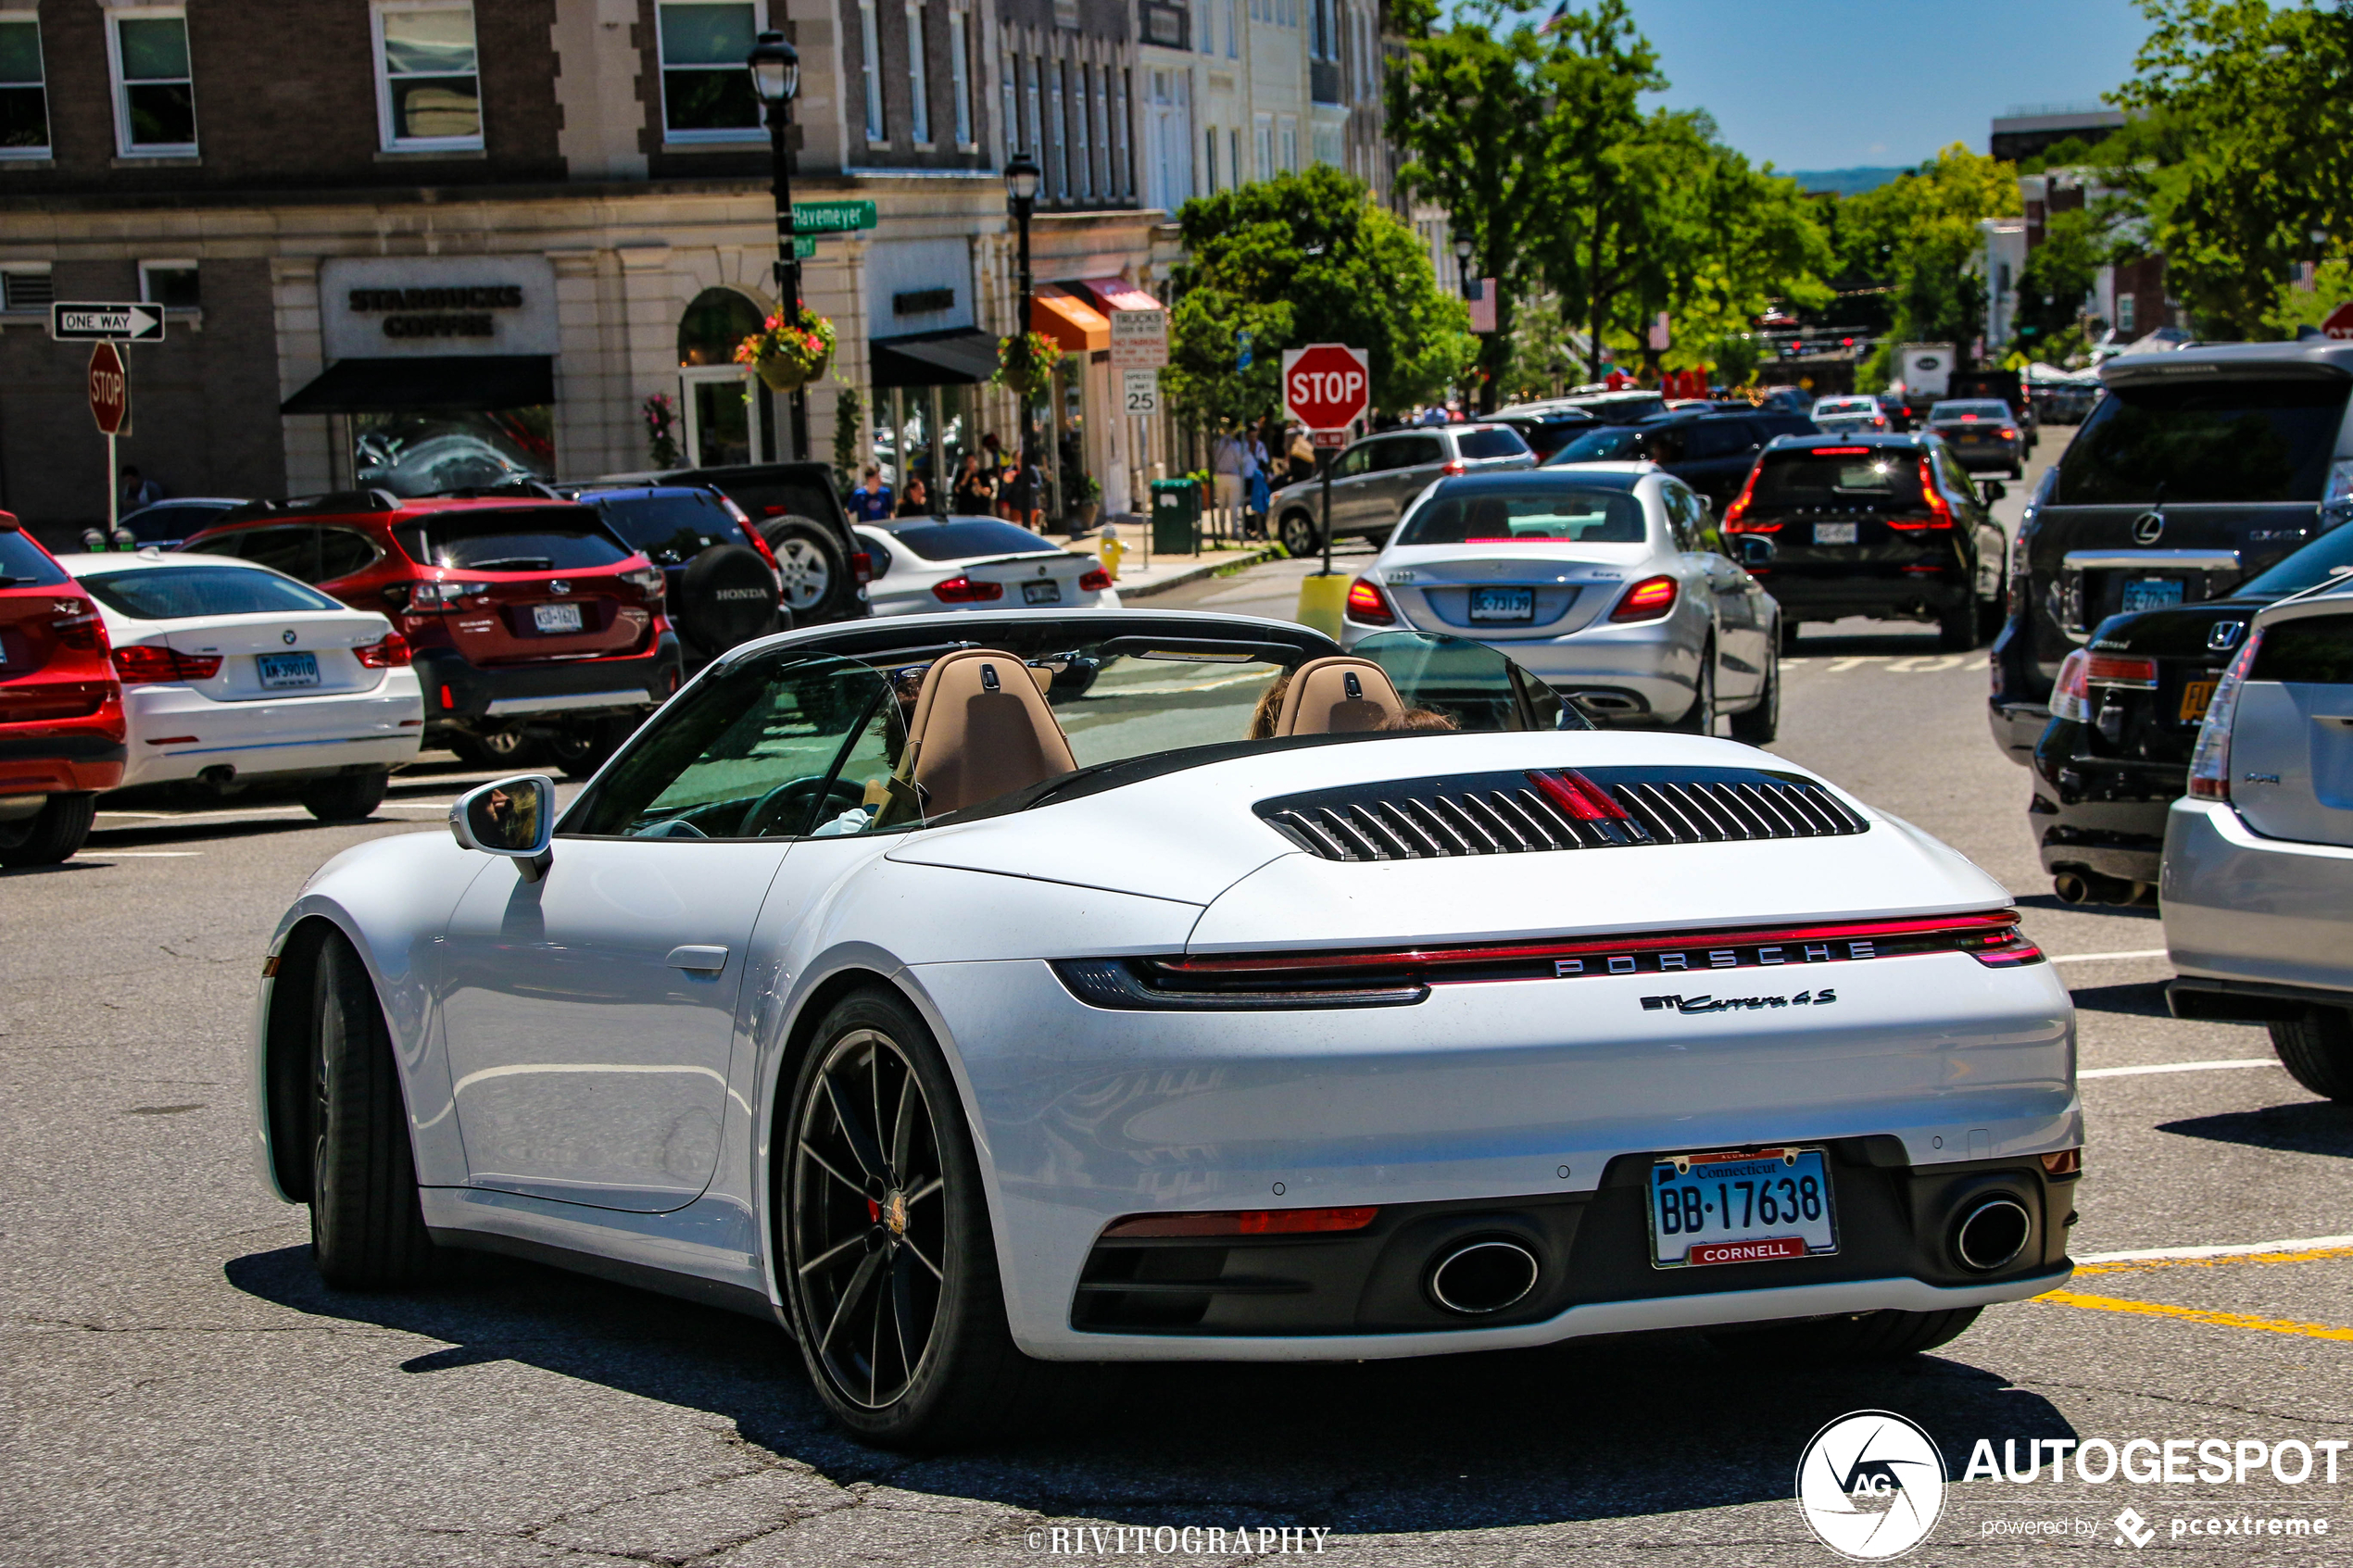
(24, 96)
(1234, 155)
(25, 288)
(1328, 143)
(1208, 160)
(1059, 164)
(155, 97)
(1036, 124)
(1233, 31)
(960, 75)
(1265, 128)
(428, 90)
(1204, 38)
(1102, 127)
(1123, 171)
(1322, 38)
(1082, 143)
(918, 78)
(1290, 146)
(870, 67)
(171, 284)
(2127, 310)
(706, 91)
(1009, 123)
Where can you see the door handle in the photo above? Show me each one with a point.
(708, 960)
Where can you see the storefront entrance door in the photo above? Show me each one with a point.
(723, 425)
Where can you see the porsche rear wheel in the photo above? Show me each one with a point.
(367, 1232)
(1858, 1336)
(889, 1257)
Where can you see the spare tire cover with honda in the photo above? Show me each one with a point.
(728, 596)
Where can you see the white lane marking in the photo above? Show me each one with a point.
(2159, 1254)
(1924, 664)
(1851, 660)
(2178, 1067)
(2106, 957)
(142, 854)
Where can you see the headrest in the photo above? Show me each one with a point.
(981, 728)
(1338, 696)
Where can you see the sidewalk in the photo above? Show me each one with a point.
(1140, 579)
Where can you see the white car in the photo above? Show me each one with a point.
(1605, 579)
(1226, 1009)
(2256, 882)
(1848, 415)
(923, 566)
(235, 673)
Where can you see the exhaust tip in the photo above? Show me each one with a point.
(2072, 888)
(1992, 1234)
(1481, 1277)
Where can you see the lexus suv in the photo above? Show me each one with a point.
(61, 726)
(2198, 469)
(532, 624)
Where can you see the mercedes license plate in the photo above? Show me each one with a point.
(1502, 604)
(1740, 1207)
(2151, 593)
(1834, 534)
(1041, 593)
(280, 670)
(2195, 695)
(555, 617)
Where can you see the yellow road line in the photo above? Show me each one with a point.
(2136, 1265)
(2195, 1315)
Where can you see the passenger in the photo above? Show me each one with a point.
(1422, 718)
(1270, 708)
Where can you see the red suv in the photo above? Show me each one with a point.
(61, 734)
(532, 624)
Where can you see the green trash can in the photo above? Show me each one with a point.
(1176, 517)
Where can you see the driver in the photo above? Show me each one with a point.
(515, 813)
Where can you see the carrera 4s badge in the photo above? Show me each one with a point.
(1822, 997)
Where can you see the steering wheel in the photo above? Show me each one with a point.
(794, 794)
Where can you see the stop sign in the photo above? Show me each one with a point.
(2339, 325)
(1326, 386)
(109, 389)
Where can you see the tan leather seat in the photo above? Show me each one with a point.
(1338, 696)
(981, 728)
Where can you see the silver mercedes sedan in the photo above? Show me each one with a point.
(1608, 581)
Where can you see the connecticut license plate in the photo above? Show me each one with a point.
(2151, 593)
(1041, 593)
(1834, 534)
(1741, 1207)
(555, 617)
(2195, 695)
(1502, 604)
(282, 670)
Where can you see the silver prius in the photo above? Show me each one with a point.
(1605, 579)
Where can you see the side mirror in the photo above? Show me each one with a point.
(1993, 490)
(515, 817)
(1755, 551)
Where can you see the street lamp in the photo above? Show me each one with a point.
(776, 77)
(1021, 195)
(1463, 248)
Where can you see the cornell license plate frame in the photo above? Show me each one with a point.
(1750, 1236)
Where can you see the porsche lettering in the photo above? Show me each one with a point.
(1683, 960)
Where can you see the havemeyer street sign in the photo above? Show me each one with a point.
(1326, 386)
(106, 323)
(831, 218)
(109, 391)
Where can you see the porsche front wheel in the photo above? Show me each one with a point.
(888, 1259)
(367, 1232)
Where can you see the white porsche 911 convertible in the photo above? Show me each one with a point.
(976, 999)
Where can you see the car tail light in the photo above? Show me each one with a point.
(1646, 601)
(2071, 697)
(392, 653)
(2110, 669)
(430, 598)
(1095, 582)
(1839, 451)
(861, 566)
(1367, 604)
(2008, 433)
(1939, 510)
(2210, 761)
(81, 630)
(1578, 796)
(146, 663)
(1244, 1221)
(963, 590)
(1736, 515)
(647, 580)
(1454, 466)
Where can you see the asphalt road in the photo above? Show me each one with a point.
(178, 1388)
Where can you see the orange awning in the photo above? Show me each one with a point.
(1118, 294)
(1069, 321)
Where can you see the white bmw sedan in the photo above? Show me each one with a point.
(925, 565)
(1245, 1001)
(1605, 579)
(235, 673)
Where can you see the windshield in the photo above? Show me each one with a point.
(1968, 409)
(2200, 440)
(671, 530)
(1577, 514)
(967, 538)
(517, 539)
(172, 593)
(1611, 444)
(1871, 476)
(24, 564)
(2329, 555)
(1844, 405)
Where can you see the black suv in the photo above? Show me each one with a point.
(2124, 719)
(796, 508)
(1888, 526)
(2198, 469)
(1712, 452)
(721, 581)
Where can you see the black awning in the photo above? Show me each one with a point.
(440, 383)
(958, 356)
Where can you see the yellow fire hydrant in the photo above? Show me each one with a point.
(1108, 549)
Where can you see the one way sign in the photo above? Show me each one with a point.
(106, 323)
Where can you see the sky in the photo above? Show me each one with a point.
(1820, 84)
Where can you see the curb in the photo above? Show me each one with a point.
(1196, 572)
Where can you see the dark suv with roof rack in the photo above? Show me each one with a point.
(532, 623)
(797, 512)
(2198, 469)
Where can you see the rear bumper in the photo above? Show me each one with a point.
(568, 688)
(2003, 456)
(1826, 597)
(2095, 815)
(292, 734)
(61, 758)
(2017, 727)
(2242, 906)
(1651, 668)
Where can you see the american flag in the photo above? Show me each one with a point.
(1558, 18)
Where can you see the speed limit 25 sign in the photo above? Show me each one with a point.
(1326, 386)
(1140, 391)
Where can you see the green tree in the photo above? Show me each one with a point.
(1917, 236)
(1297, 259)
(2056, 276)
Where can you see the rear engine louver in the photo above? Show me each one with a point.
(1557, 808)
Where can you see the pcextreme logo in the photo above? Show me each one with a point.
(1872, 1485)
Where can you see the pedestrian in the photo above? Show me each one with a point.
(138, 492)
(871, 501)
(1226, 455)
(1026, 496)
(917, 501)
(1302, 455)
(1260, 496)
(975, 492)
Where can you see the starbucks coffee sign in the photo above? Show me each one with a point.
(375, 308)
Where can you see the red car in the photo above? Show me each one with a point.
(61, 731)
(532, 624)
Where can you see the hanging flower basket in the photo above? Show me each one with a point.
(1025, 362)
(789, 356)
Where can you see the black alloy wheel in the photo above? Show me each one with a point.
(1299, 535)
